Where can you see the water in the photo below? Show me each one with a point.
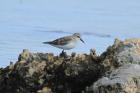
(25, 24)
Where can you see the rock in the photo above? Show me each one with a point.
(129, 52)
(45, 90)
(25, 56)
(94, 56)
(125, 79)
(47, 73)
(11, 66)
(62, 74)
(121, 52)
(73, 54)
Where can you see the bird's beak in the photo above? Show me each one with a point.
(82, 40)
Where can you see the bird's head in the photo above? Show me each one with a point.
(77, 35)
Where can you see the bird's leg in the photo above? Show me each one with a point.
(63, 53)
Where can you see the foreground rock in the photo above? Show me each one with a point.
(112, 72)
(125, 79)
(46, 73)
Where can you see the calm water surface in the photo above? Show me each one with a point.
(25, 24)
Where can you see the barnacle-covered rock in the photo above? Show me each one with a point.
(75, 73)
(34, 71)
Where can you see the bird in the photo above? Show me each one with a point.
(66, 42)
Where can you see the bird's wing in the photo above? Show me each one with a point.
(61, 41)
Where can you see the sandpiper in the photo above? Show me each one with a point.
(67, 42)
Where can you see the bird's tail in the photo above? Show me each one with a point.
(46, 42)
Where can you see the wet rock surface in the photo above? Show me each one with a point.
(111, 72)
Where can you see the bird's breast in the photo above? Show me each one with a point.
(67, 46)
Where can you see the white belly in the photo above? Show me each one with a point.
(67, 46)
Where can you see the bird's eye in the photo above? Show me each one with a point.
(78, 36)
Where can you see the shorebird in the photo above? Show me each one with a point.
(67, 42)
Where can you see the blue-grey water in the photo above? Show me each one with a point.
(25, 24)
